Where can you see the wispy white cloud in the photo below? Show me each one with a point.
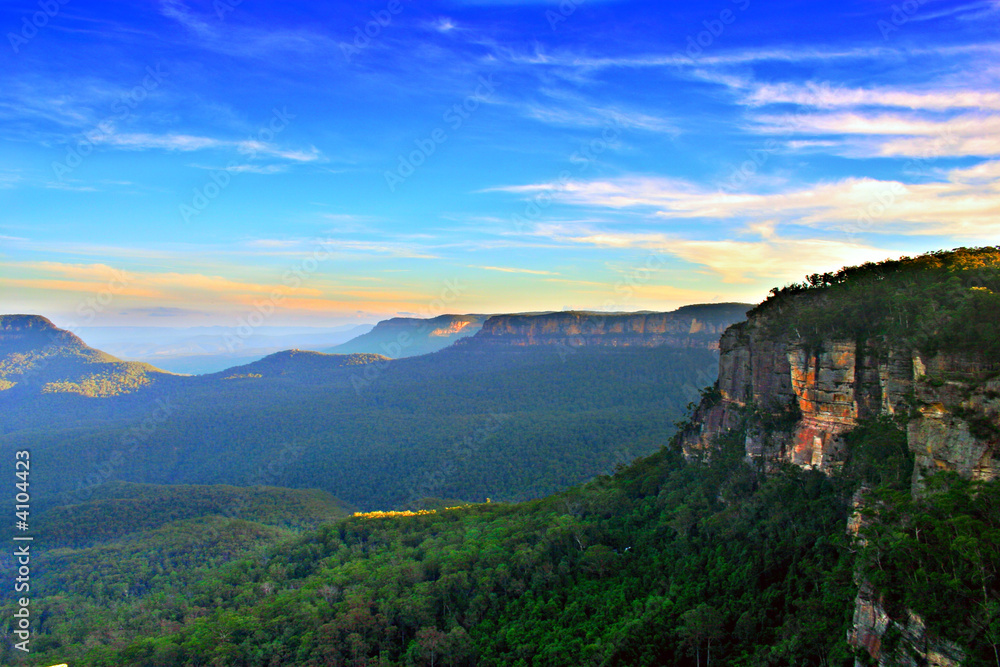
(261, 148)
(59, 185)
(825, 96)
(246, 168)
(257, 168)
(966, 205)
(771, 258)
(273, 243)
(506, 269)
(190, 143)
(587, 115)
(678, 59)
(9, 180)
(970, 11)
(170, 142)
(399, 250)
(894, 135)
(443, 24)
(242, 39)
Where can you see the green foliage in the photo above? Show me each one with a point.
(119, 509)
(948, 300)
(939, 555)
(878, 455)
(662, 564)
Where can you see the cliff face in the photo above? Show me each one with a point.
(407, 336)
(915, 646)
(950, 400)
(691, 326)
(796, 404)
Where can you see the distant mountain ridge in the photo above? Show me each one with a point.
(37, 355)
(463, 423)
(299, 363)
(691, 326)
(203, 350)
(409, 336)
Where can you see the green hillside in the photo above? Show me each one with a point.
(663, 564)
(118, 509)
(510, 424)
(36, 356)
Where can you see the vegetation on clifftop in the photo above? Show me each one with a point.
(947, 300)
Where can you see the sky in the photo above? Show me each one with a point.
(211, 163)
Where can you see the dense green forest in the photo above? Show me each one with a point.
(666, 562)
(466, 423)
(118, 509)
(37, 357)
(97, 563)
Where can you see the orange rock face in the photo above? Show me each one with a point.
(689, 327)
(952, 402)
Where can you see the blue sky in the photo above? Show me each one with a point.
(183, 163)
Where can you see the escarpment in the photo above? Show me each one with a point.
(950, 400)
(915, 342)
(687, 327)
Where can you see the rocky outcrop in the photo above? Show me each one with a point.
(410, 336)
(958, 425)
(795, 403)
(902, 643)
(819, 393)
(688, 327)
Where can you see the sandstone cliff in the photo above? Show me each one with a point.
(691, 326)
(796, 401)
(409, 336)
(951, 400)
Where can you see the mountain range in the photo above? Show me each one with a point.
(830, 498)
(201, 350)
(466, 422)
